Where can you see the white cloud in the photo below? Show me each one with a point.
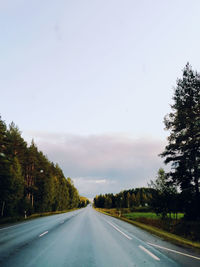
(103, 163)
(91, 186)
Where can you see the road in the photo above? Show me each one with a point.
(87, 238)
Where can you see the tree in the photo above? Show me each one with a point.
(137, 198)
(16, 191)
(183, 149)
(73, 194)
(128, 200)
(133, 200)
(108, 202)
(11, 179)
(31, 171)
(5, 176)
(16, 146)
(163, 194)
(28, 180)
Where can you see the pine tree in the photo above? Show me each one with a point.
(163, 194)
(183, 149)
(108, 202)
(16, 191)
(5, 177)
(128, 200)
(137, 198)
(133, 200)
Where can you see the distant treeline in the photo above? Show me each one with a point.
(162, 201)
(29, 182)
(139, 197)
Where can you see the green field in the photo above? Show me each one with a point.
(149, 215)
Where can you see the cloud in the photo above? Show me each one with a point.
(91, 186)
(103, 163)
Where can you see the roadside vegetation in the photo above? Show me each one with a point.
(150, 215)
(172, 200)
(29, 182)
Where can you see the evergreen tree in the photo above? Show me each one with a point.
(73, 193)
(33, 166)
(137, 198)
(128, 200)
(16, 146)
(5, 176)
(16, 191)
(163, 195)
(133, 200)
(108, 202)
(28, 180)
(183, 149)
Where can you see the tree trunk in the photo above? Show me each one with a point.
(32, 200)
(2, 209)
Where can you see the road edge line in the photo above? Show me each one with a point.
(116, 228)
(172, 250)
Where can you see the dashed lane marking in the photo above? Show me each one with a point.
(43, 233)
(149, 253)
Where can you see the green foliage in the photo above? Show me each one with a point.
(83, 202)
(29, 182)
(16, 190)
(126, 199)
(163, 195)
(183, 149)
(73, 194)
(151, 215)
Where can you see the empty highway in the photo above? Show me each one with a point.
(87, 238)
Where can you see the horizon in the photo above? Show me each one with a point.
(91, 83)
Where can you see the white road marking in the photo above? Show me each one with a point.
(43, 233)
(119, 230)
(132, 236)
(149, 253)
(175, 251)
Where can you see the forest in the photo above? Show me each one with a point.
(177, 190)
(132, 198)
(29, 182)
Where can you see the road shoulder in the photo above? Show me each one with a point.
(177, 240)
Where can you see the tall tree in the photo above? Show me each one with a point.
(163, 194)
(128, 200)
(28, 180)
(5, 177)
(16, 190)
(133, 200)
(31, 170)
(16, 145)
(183, 149)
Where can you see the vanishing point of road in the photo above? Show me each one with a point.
(87, 238)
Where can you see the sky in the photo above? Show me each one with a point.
(91, 81)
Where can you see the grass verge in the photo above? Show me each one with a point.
(156, 231)
(149, 215)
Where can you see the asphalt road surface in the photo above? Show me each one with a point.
(87, 238)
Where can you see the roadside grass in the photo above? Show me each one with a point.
(150, 215)
(176, 239)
